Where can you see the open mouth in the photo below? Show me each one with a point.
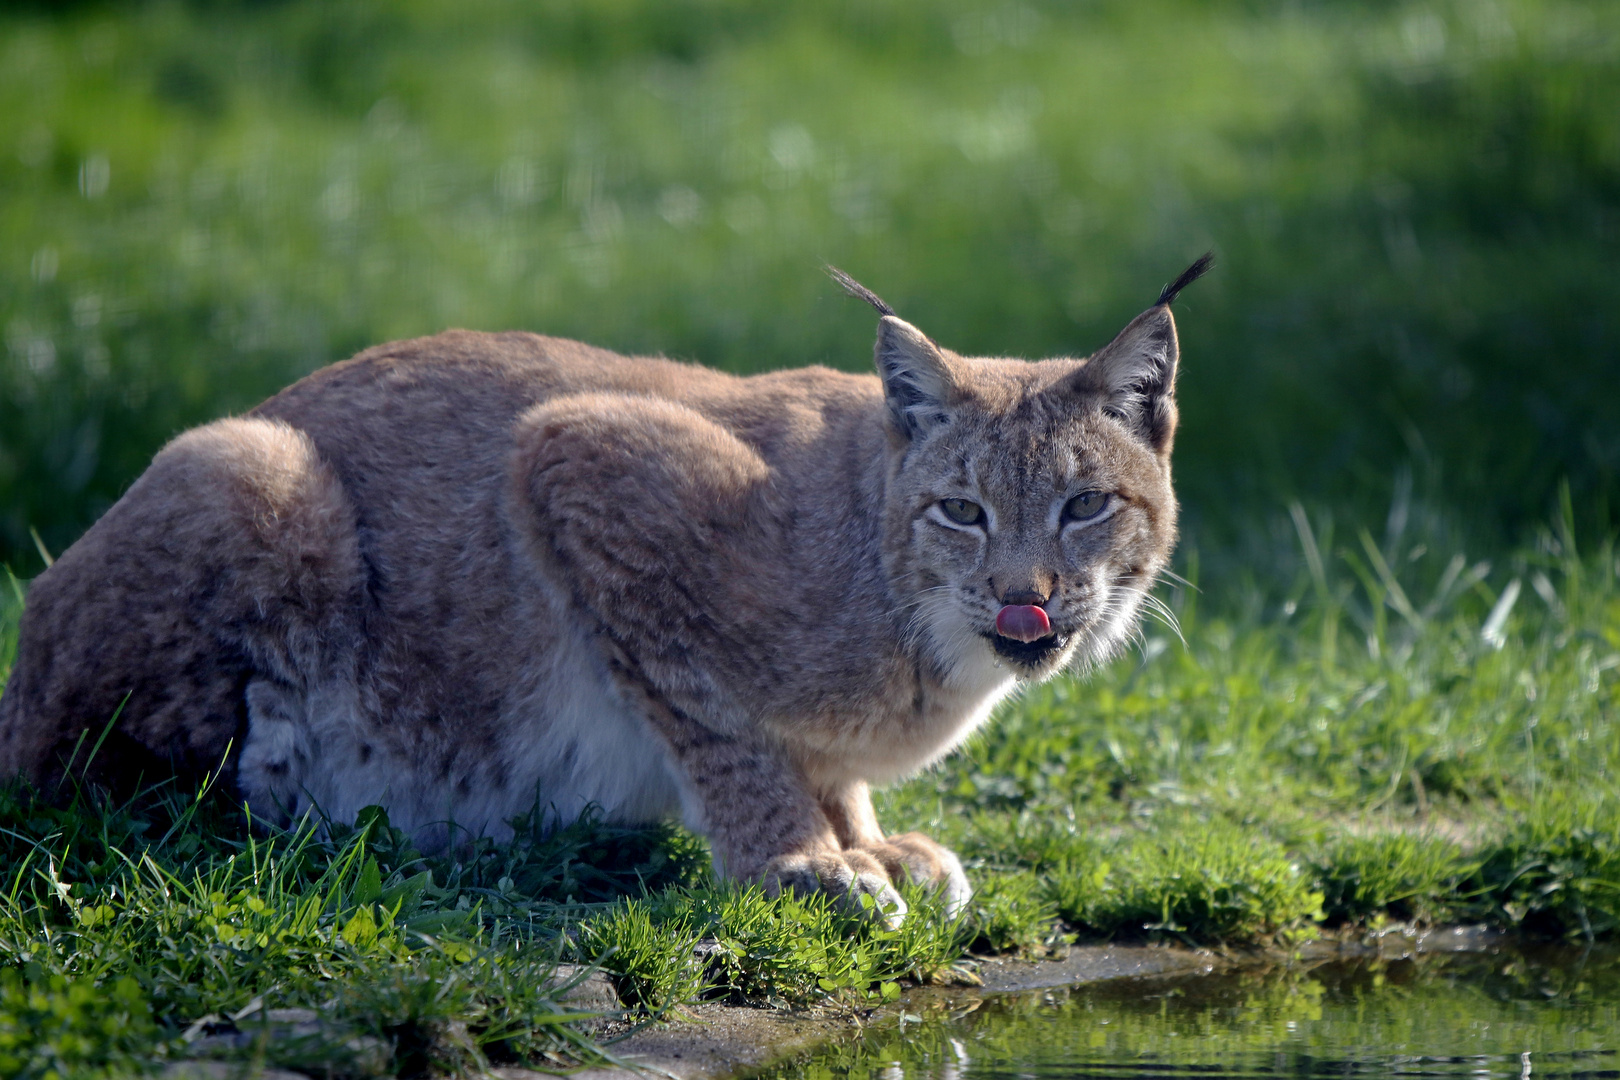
(1030, 654)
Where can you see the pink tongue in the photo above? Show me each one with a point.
(1023, 622)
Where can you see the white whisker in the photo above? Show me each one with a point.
(1168, 574)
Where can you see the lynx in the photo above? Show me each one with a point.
(471, 574)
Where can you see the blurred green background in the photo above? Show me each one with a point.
(1415, 206)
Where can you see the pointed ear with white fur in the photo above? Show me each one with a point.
(1135, 375)
(918, 380)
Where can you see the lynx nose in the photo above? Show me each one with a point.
(1022, 597)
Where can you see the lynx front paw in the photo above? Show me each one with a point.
(848, 875)
(916, 857)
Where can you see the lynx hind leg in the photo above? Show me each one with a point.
(233, 554)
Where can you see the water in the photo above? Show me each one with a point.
(1542, 1013)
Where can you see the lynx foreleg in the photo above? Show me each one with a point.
(652, 518)
(761, 820)
(910, 856)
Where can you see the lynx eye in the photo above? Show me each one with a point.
(961, 511)
(1085, 506)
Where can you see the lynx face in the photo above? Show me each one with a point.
(1030, 503)
(1051, 504)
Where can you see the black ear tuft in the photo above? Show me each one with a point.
(1197, 270)
(859, 291)
(918, 381)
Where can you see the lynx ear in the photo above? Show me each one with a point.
(1135, 375)
(917, 378)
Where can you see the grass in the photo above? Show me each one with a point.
(1381, 737)
(126, 937)
(790, 951)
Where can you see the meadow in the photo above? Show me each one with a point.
(1387, 747)
(1385, 693)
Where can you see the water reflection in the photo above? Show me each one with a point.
(1550, 1012)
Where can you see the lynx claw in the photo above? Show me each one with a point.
(916, 857)
(886, 904)
(854, 878)
(863, 878)
(957, 893)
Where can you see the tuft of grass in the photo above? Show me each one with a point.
(52, 1028)
(1014, 912)
(1198, 880)
(648, 952)
(1404, 876)
(737, 944)
(1555, 874)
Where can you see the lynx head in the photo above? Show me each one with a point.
(1029, 509)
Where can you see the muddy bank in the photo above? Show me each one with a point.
(713, 1041)
(716, 1041)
